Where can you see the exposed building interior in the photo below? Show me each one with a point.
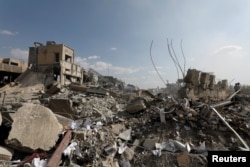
(10, 69)
(57, 60)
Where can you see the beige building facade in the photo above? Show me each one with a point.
(56, 60)
(10, 69)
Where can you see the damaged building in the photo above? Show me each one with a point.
(10, 69)
(202, 85)
(56, 60)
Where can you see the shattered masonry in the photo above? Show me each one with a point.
(57, 114)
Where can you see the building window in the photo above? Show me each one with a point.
(13, 63)
(68, 58)
(57, 57)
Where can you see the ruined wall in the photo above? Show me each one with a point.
(32, 58)
(9, 68)
(201, 85)
(69, 52)
(71, 69)
(47, 54)
(12, 65)
(68, 69)
(50, 54)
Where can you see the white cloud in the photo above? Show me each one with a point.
(122, 70)
(229, 50)
(93, 57)
(113, 49)
(19, 53)
(7, 32)
(104, 66)
(82, 61)
(226, 62)
(100, 66)
(153, 72)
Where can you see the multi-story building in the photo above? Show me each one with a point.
(55, 59)
(10, 69)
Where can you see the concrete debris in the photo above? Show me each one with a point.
(122, 148)
(72, 147)
(150, 143)
(125, 164)
(97, 91)
(6, 153)
(128, 154)
(136, 106)
(110, 149)
(65, 108)
(183, 159)
(34, 127)
(62, 115)
(125, 135)
(64, 121)
(168, 146)
(54, 88)
(117, 128)
(37, 162)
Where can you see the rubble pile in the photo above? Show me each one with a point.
(80, 125)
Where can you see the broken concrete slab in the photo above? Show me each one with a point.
(136, 105)
(125, 164)
(63, 120)
(65, 108)
(6, 153)
(150, 143)
(97, 91)
(34, 127)
(125, 135)
(128, 154)
(54, 88)
(117, 128)
(78, 88)
(183, 159)
(109, 162)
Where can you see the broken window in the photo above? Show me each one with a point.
(57, 57)
(68, 58)
(14, 64)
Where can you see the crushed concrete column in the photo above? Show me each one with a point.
(34, 127)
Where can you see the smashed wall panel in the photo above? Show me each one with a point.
(201, 85)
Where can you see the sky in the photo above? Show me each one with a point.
(114, 36)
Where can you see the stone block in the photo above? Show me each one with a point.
(34, 127)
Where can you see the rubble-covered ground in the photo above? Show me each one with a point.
(93, 126)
